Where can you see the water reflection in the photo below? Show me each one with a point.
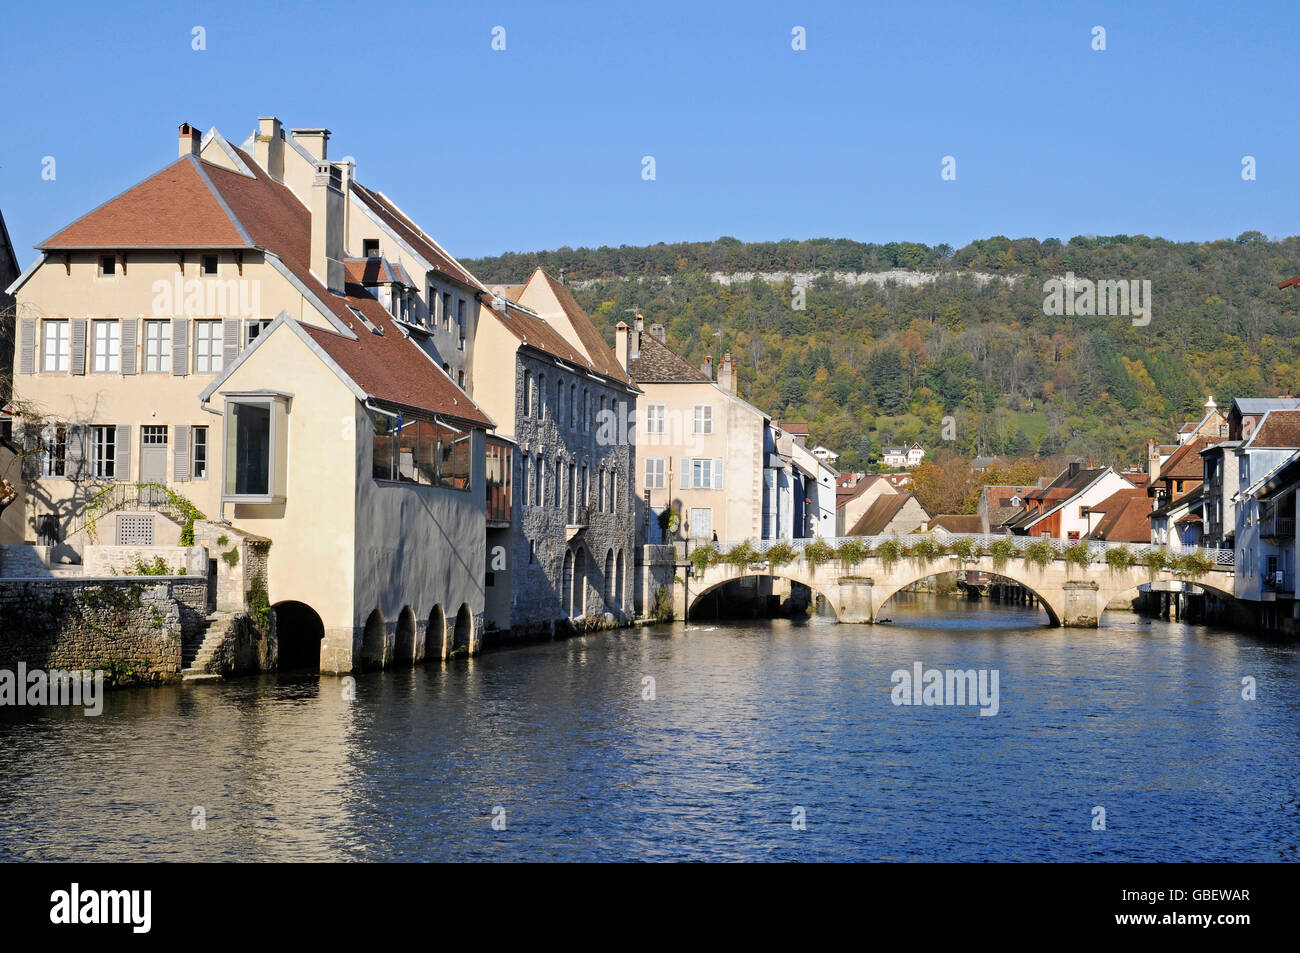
(749, 721)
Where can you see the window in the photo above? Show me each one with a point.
(559, 401)
(701, 522)
(655, 416)
(460, 379)
(256, 326)
(370, 248)
(1178, 486)
(528, 394)
(704, 418)
(654, 473)
(256, 449)
(613, 491)
(586, 410)
(1084, 511)
(157, 347)
(600, 498)
(460, 323)
(541, 481)
(446, 311)
(207, 347)
(199, 452)
(419, 450)
(107, 347)
(103, 452)
(107, 265)
(446, 369)
(54, 352)
(573, 406)
(208, 265)
(498, 482)
(702, 472)
(54, 448)
(541, 396)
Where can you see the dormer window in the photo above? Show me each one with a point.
(208, 265)
(370, 248)
(366, 321)
(107, 265)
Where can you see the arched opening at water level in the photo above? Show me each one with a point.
(951, 595)
(299, 634)
(757, 597)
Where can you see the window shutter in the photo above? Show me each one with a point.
(230, 341)
(78, 346)
(686, 473)
(181, 453)
(130, 327)
(31, 458)
(122, 451)
(27, 346)
(74, 455)
(717, 474)
(180, 346)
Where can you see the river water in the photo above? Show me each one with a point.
(752, 727)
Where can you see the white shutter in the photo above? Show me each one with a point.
(717, 474)
(122, 451)
(130, 326)
(686, 473)
(180, 453)
(230, 341)
(75, 452)
(78, 346)
(27, 346)
(180, 346)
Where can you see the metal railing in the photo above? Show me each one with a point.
(1277, 526)
(1097, 549)
(123, 496)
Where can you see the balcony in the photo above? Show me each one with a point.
(1280, 580)
(579, 517)
(1277, 527)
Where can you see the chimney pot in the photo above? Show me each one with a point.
(268, 147)
(327, 226)
(315, 141)
(621, 342)
(190, 140)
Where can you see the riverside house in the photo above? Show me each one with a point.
(204, 331)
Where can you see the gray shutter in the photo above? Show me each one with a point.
(181, 453)
(717, 473)
(78, 346)
(130, 328)
(31, 458)
(27, 346)
(74, 458)
(122, 452)
(180, 346)
(686, 473)
(230, 342)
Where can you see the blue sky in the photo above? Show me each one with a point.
(541, 145)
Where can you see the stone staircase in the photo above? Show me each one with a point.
(22, 562)
(198, 649)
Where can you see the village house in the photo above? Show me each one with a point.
(566, 403)
(1121, 517)
(1060, 510)
(999, 505)
(853, 503)
(815, 503)
(903, 457)
(1264, 539)
(705, 453)
(896, 514)
(200, 333)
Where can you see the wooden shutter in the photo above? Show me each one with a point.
(74, 456)
(686, 473)
(181, 453)
(122, 451)
(180, 346)
(27, 346)
(230, 342)
(130, 328)
(31, 459)
(78, 346)
(717, 474)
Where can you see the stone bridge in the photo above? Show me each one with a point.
(1071, 594)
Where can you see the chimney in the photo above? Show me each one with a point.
(268, 147)
(707, 367)
(315, 141)
(327, 226)
(190, 141)
(727, 374)
(657, 332)
(621, 344)
(634, 349)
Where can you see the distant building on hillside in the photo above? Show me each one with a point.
(903, 457)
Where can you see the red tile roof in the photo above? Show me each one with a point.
(174, 208)
(413, 235)
(1279, 428)
(958, 523)
(1126, 518)
(1185, 462)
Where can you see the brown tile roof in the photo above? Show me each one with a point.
(601, 354)
(1279, 428)
(880, 514)
(1126, 518)
(958, 523)
(658, 363)
(847, 494)
(392, 368)
(535, 332)
(369, 271)
(176, 207)
(509, 291)
(413, 235)
(1185, 462)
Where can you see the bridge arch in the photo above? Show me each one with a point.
(903, 576)
(818, 588)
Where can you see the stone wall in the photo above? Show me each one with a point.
(241, 562)
(130, 627)
(656, 568)
(123, 560)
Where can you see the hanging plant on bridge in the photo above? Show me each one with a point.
(1192, 564)
(925, 550)
(703, 558)
(742, 555)
(1039, 553)
(1003, 551)
(1155, 560)
(966, 547)
(889, 552)
(851, 552)
(1119, 558)
(816, 553)
(1078, 555)
(780, 554)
